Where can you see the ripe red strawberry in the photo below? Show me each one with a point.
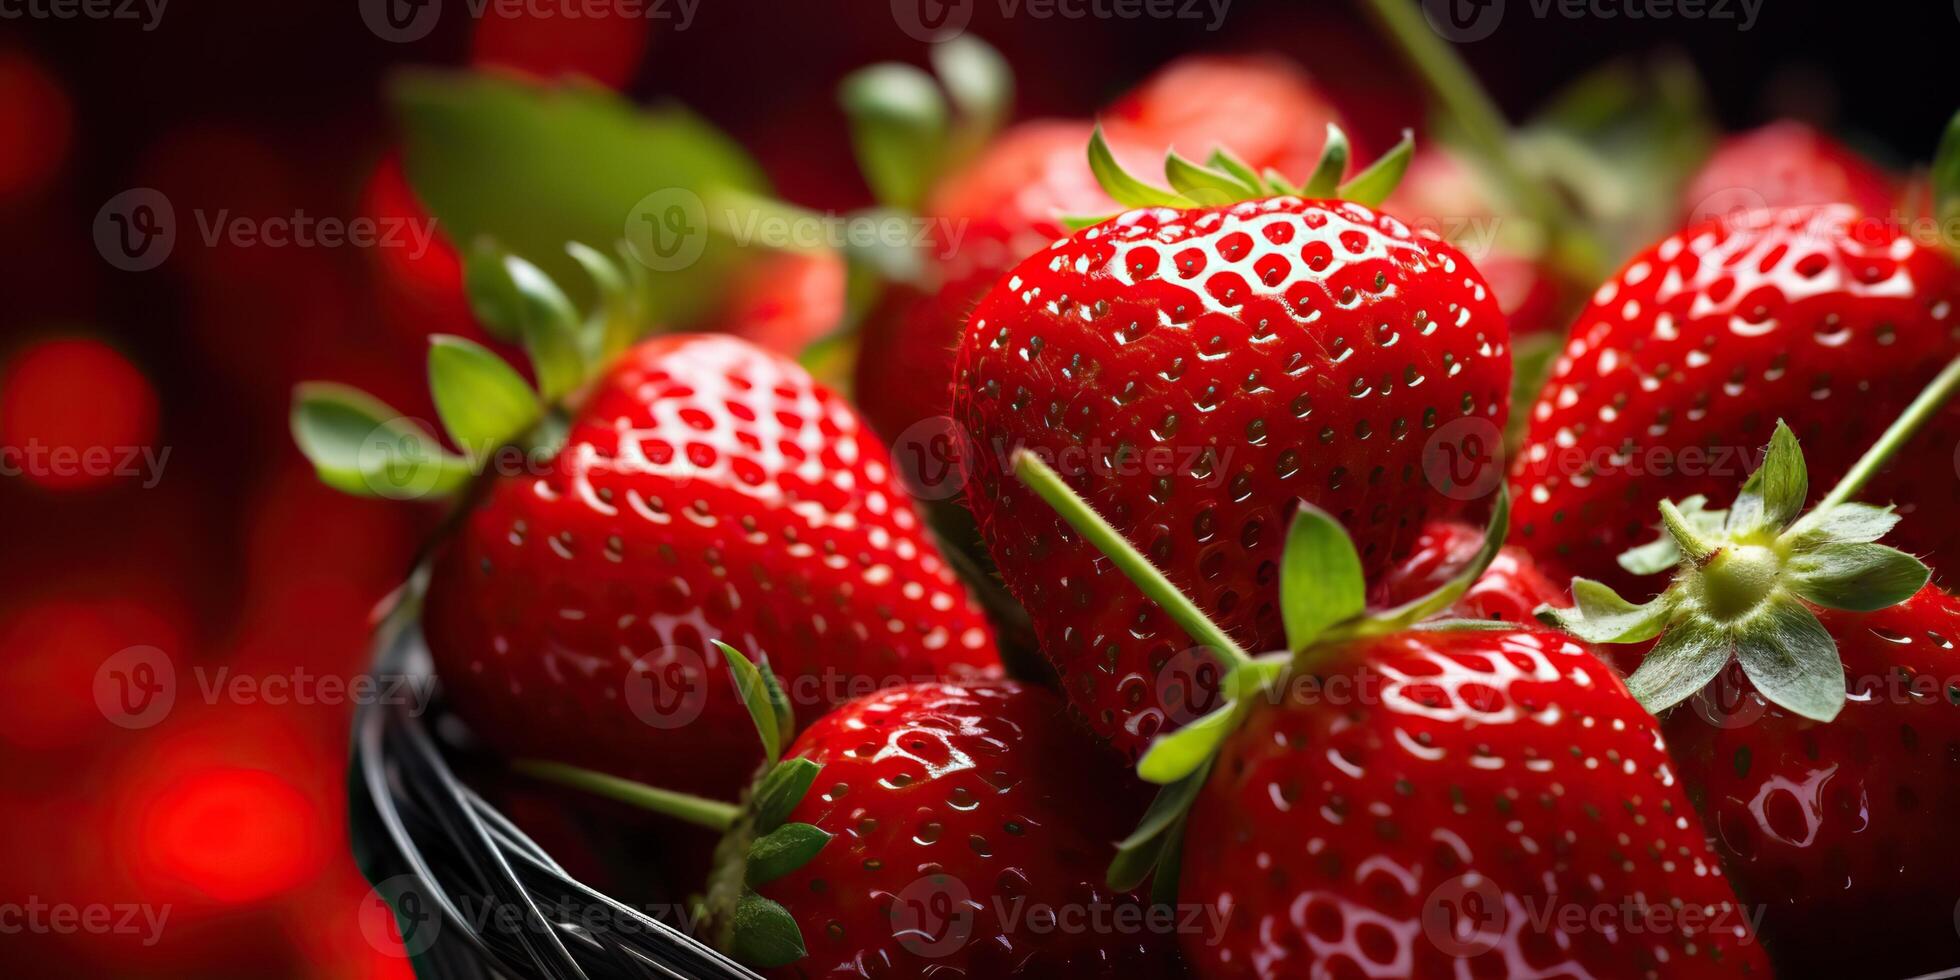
(1784, 164)
(1195, 371)
(1511, 589)
(1264, 108)
(784, 302)
(1686, 358)
(1824, 762)
(706, 490)
(928, 830)
(1422, 799)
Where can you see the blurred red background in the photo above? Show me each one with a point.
(219, 548)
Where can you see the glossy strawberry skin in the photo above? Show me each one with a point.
(1437, 812)
(1843, 829)
(1193, 374)
(1692, 352)
(956, 809)
(1785, 164)
(707, 490)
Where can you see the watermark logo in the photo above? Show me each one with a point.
(404, 21)
(933, 916)
(668, 229)
(1463, 21)
(1464, 458)
(401, 21)
(1189, 685)
(1465, 916)
(136, 688)
(398, 918)
(398, 460)
(136, 230)
(930, 457)
(1729, 701)
(148, 12)
(932, 21)
(668, 688)
(43, 918)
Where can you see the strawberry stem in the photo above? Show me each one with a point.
(1903, 429)
(1049, 486)
(699, 811)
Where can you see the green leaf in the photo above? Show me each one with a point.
(1077, 222)
(535, 165)
(1248, 680)
(1332, 167)
(1847, 523)
(979, 82)
(1683, 662)
(1138, 853)
(1119, 185)
(1276, 182)
(1688, 534)
(1207, 187)
(1320, 579)
(550, 327)
(899, 127)
(1170, 866)
(1857, 576)
(493, 297)
(1443, 596)
(781, 791)
(1223, 160)
(1602, 616)
(1662, 553)
(755, 696)
(1173, 757)
(1792, 660)
(783, 850)
(764, 935)
(1773, 496)
(778, 701)
(614, 322)
(483, 402)
(1946, 177)
(1373, 185)
(359, 445)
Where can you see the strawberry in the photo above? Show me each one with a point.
(936, 829)
(705, 489)
(784, 302)
(1391, 796)
(1783, 164)
(1510, 590)
(1686, 358)
(1264, 108)
(1196, 371)
(1823, 759)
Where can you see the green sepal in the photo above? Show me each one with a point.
(1222, 159)
(978, 81)
(781, 790)
(483, 402)
(1379, 622)
(1662, 554)
(1177, 755)
(550, 325)
(763, 934)
(1144, 850)
(1690, 539)
(1786, 652)
(755, 695)
(1602, 616)
(1276, 183)
(1206, 187)
(1077, 222)
(1373, 185)
(1320, 578)
(1856, 576)
(493, 298)
(1120, 186)
(783, 850)
(1774, 494)
(1168, 870)
(615, 321)
(360, 446)
(1252, 678)
(899, 126)
(1327, 174)
(1683, 662)
(1848, 523)
(1946, 178)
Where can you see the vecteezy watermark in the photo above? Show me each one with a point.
(137, 230)
(138, 686)
(148, 12)
(37, 459)
(399, 917)
(42, 918)
(668, 688)
(1470, 915)
(403, 21)
(1464, 458)
(934, 457)
(1464, 21)
(936, 916)
(933, 21)
(669, 229)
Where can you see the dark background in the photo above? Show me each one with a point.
(231, 815)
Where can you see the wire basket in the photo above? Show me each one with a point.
(472, 896)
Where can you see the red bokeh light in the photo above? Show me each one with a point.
(235, 835)
(54, 647)
(69, 404)
(36, 125)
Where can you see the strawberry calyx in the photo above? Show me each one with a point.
(1323, 603)
(1747, 578)
(1224, 179)
(758, 844)
(362, 446)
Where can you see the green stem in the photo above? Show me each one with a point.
(701, 812)
(1908, 424)
(1048, 485)
(1451, 83)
